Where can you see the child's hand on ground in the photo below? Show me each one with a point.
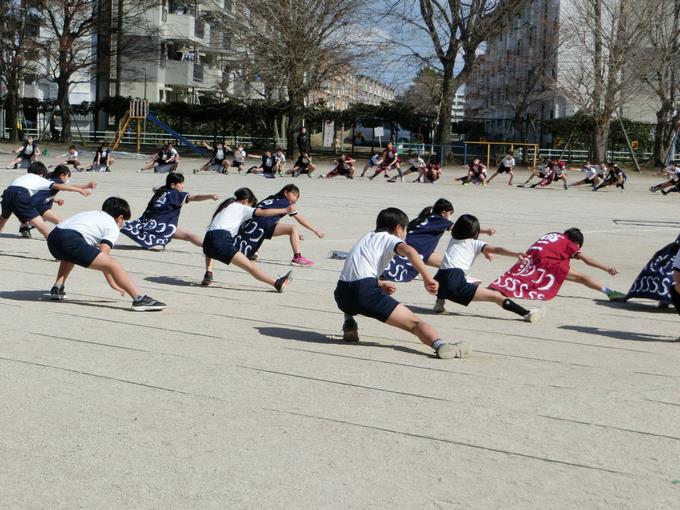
(389, 287)
(59, 201)
(431, 285)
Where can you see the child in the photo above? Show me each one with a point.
(374, 160)
(344, 165)
(389, 160)
(417, 164)
(71, 158)
(44, 199)
(672, 171)
(169, 160)
(359, 292)
(219, 241)
(615, 177)
(239, 158)
(423, 234)
(431, 173)
(476, 173)
(266, 167)
(253, 232)
(86, 239)
(592, 172)
(543, 172)
(555, 171)
(154, 160)
(459, 257)
(279, 162)
(26, 154)
(547, 265)
(303, 165)
(17, 198)
(506, 166)
(218, 159)
(158, 224)
(102, 159)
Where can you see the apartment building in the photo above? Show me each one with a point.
(349, 88)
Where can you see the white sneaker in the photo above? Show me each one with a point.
(455, 350)
(534, 315)
(439, 306)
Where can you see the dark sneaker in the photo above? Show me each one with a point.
(207, 279)
(25, 230)
(146, 304)
(282, 283)
(456, 350)
(350, 330)
(57, 293)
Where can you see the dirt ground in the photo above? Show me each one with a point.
(238, 397)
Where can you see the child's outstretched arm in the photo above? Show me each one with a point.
(303, 221)
(488, 231)
(274, 212)
(68, 187)
(416, 261)
(89, 185)
(594, 263)
(201, 198)
(489, 251)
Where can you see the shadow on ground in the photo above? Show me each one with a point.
(619, 335)
(318, 338)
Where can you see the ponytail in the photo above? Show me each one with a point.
(239, 194)
(424, 214)
(440, 206)
(172, 178)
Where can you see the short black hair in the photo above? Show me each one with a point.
(37, 168)
(465, 227)
(116, 206)
(575, 235)
(389, 219)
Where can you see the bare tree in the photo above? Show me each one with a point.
(664, 75)
(456, 30)
(293, 47)
(18, 28)
(605, 55)
(425, 94)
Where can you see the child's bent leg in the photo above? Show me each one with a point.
(184, 235)
(290, 231)
(240, 260)
(588, 281)
(405, 319)
(64, 270)
(434, 260)
(51, 216)
(2, 222)
(40, 224)
(107, 264)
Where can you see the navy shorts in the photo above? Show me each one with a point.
(68, 245)
(44, 207)
(236, 164)
(219, 245)
(365, 297)
(17, 200)
(454, 287)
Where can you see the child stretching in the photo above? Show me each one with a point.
(86, 239)
(44, 200)
(253, 232)
(70, 158)
(431, 173)
(219, 242)
(476, 173)
(459, 257)
(26, 154)
(239, 158)
(17, 198)
(506, 166)
(374, 160)
(544, 171)
(303, 165)
(102, 159)
(416, 164)
(218, 158)
(344, 166)
(671, 171)
(359, 292)
(158, 224)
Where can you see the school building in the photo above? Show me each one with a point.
(521, 72)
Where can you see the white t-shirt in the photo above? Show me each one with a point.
(508, 163)
(461, 254)
(95, 226)
(239, 155)
(32, 183)
(591, 171)
(231, 217)
(369, 257)
(416, 162)
(72, 155)
(280, 158)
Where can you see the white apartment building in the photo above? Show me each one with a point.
(520, 69)
(349, 88)
(458, 107)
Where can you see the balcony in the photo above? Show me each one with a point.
(186, 27)
(189, 74)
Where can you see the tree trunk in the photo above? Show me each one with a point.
(660, 136)
(12, 103)
(600, 138)
(443, 134)
(64, 108)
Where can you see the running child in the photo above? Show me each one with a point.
(17, 198)
(253, 232)
(219, 243)
(102, 159)
(218, 159)
(158, 224)
(303, 165)
(26, 154)
(547, 266)
(416, 164)
(506, 166)
(463, 249)
(45, 199)
(374, 161)
(86, 239)
(70, 158)
(359, 292)
(344, 166)
(423, 234)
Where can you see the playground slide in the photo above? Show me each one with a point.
(174, 134)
